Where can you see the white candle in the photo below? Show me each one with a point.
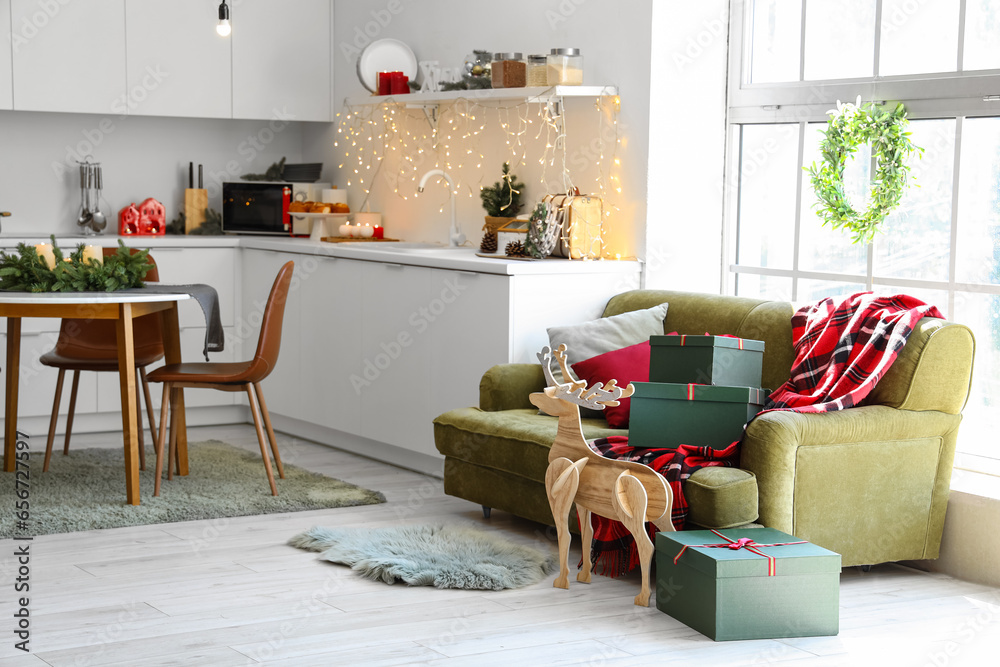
(345, 230)
(366, 232)
(45, 253)
(93, 252)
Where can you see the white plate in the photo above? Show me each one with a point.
(385, 55)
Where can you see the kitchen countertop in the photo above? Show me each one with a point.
(410, 254)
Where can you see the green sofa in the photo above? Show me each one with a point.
(870, 483)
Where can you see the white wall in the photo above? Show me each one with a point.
(615, 40)
(683, 248)
(141, 156)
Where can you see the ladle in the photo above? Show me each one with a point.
(99, 220)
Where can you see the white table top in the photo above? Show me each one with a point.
(88, 297)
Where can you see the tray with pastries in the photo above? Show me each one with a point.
(307, 209)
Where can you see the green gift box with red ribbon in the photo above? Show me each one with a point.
(748, 583)
(667, 415)
(719, 360)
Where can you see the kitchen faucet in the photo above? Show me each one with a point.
(456, 237)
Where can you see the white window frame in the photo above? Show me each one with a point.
(958, 95)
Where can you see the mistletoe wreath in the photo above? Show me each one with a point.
(850, 126)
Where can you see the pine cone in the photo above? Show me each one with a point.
(514, 249)
(489, 242)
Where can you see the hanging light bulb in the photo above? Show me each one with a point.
(224, 28)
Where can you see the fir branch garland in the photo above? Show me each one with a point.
(27, 272)
(850, 126)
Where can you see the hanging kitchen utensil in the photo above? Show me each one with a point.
(99, 221)
(82, 219)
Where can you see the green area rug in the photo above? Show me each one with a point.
(86, 491)
(431, 555)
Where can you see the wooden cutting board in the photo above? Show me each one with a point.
(351, 239)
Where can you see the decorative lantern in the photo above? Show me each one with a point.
(128, 220)
(152, 218)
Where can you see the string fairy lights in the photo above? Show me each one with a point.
(392, 143)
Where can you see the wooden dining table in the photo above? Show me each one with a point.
(124, 307)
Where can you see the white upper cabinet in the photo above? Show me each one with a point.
(6, 67)
(69, 56)
(177, 64)
(281, 59)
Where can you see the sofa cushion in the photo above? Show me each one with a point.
(590, 339)
(629, 364)
(516, 441)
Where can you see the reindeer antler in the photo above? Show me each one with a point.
(576, 391)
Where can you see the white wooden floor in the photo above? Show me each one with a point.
(229, 592)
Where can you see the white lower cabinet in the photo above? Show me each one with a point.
(37, 383)
(380, 349)
(283, 387)
(330, 337)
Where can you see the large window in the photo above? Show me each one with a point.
(790, 62)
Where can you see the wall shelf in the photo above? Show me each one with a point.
(534, 94)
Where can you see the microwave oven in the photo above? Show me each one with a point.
(261, 207)
(256, 207)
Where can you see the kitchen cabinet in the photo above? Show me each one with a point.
(332, 342)
(283, 387)
(282, 60)
(177, 65)
(380, 348)
(37, 385)
(99, 402)
(69, 56)
(6, 65)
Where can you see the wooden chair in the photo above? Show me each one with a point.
(92, 345)
(233, 376)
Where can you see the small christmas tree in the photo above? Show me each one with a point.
(503, 198)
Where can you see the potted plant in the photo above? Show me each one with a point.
(502, 200)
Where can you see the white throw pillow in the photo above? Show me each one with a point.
(590, 339)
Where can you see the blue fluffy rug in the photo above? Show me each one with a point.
(441, 556)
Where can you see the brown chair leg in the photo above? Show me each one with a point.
(173, 462)
(72, 411)
(165, 404)
(138, 425)
(270, 431)
(149, 406)
(260, 438)
(53, 419)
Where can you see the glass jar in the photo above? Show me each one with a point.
(538, 73)
(509, 70)
(565, 67)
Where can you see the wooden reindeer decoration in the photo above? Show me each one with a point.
(629, 492)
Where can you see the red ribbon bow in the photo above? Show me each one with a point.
(742, 543)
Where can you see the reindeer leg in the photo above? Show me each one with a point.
(664, 523)
(630, 501)
(587, 534)
(562, 478)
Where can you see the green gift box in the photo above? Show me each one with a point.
(725, 593)
(719, 360)
(667, 414)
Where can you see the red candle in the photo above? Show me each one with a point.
(399, 83)
(385, 83)
(378, 232)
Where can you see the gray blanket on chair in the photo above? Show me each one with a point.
(208, 298)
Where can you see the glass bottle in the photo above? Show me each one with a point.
(509, 70)
(538, 73)
(565, 67)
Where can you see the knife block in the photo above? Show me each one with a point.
(195, 203)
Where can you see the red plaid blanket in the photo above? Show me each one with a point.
(843, 347)
(613, 550)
